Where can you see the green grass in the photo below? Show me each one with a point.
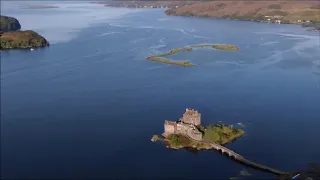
(177, 141)
(201, 128)
(221, 134)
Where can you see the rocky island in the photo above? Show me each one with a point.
(12, 38)
(160, 57)
(188, 132)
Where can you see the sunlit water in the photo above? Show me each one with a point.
(88, 105)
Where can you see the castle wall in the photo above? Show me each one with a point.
(194, 133)
(181, 128)
(169, 127)
(197, 120)
(186, 125)
(189, 119)
(189, 130)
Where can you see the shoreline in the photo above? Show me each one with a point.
(313, 27)
(194, 145)
(180, 8)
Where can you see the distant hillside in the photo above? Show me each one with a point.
(292, 11)
(289, 11)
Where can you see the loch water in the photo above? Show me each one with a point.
(88, 105)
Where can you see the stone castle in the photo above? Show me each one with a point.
(186, 125)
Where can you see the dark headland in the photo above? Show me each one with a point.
(12, 38)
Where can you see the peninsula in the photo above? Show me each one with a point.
(160, 57)
(12, 38)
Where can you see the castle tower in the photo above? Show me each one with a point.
(191, 116)
(169, 128)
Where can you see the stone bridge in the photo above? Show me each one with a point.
(242, 159)
(224, 150)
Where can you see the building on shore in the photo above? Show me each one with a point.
(278, 21)
(186, 125)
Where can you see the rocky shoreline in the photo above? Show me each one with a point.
(12, 38)
(312, 27)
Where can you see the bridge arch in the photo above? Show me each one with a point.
(220, 150)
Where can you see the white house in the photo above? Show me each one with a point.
(278, 21)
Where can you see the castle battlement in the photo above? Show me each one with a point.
(191, 112)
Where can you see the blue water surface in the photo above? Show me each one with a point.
(88, 105)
